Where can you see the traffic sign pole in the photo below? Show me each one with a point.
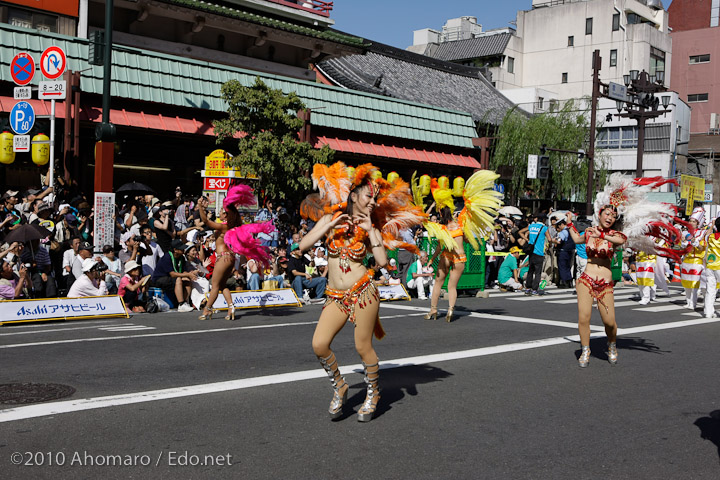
(52, 144)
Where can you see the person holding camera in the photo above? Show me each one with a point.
(91, 283)
(12, 284)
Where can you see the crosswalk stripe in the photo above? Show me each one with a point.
(661, 308)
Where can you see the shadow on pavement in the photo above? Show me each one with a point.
(395, 382)
(710, 428)
(598, 346)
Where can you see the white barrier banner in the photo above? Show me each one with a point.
(12, 311)
(393, 292)
(259, 298)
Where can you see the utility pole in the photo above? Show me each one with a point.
(105, 132)
(596, 65)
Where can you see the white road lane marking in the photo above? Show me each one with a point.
(126, 329)
(552, 323)
(68, 406)
(18, 326)
(165, 334)
(94, 327)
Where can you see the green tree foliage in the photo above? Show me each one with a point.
(269, 148)
(566, 129)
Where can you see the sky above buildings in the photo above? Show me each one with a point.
(393, 21)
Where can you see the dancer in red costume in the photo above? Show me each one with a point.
(643, 222)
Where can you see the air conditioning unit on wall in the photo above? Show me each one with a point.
(714, 124)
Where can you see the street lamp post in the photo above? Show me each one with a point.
(642, 104)
(639, 103)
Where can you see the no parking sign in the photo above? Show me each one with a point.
(22, 68)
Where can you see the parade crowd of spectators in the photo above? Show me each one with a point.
(162, 246)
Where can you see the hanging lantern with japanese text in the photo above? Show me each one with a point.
(7, 155)
(458, 187)
(40, 149)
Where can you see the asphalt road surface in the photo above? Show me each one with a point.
(495, 394)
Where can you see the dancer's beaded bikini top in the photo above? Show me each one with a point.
(346, 248)
(593, 245)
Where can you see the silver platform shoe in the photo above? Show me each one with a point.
(612, 353)
(338, 382)
(584, 357)
(369, 407)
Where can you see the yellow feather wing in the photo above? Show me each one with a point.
(435, 230)
(482, 203)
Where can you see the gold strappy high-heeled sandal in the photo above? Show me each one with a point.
(449, 315)
(207, 314)
(432, 314)
(231, 313)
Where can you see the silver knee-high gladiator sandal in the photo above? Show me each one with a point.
(338, 382)
(372, 376)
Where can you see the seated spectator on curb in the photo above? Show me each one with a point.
(301, 280)
(12, 284)
(509, 273)
(201, 286)
(85, 251)
(150, 250)
(40, 269)
(419, 276)
(391, 273)
(91, 283)
(254, 274)
(173, 278)
(133, 289)
(114, 271)
(67, 261)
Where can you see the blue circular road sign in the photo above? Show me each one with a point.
(22, 118)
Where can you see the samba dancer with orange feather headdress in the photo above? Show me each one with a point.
(356, 215)
(644, 222)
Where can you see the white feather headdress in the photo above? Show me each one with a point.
(643, 219)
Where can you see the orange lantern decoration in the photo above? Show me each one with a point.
(350, 173)
(7, 155)
(444, 182)
(425, 184)
(458, 187)
(392, 176)
(376, 174)
(40, 151)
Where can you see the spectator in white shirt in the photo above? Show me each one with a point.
(90, 284)
(153, 251)
(68, 259)
(85, 251)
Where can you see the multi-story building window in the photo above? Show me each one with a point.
(510, 65)
(697, 97)
(571, 41)
(541, 103)
(29, 19)
(657, 60)
(700, 58)
(618, 137)
(613, 58)
(564, 77)
(616, 22)
(588, 26)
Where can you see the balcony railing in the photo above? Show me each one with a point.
(317, 7)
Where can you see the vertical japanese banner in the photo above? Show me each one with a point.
(104, 228)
